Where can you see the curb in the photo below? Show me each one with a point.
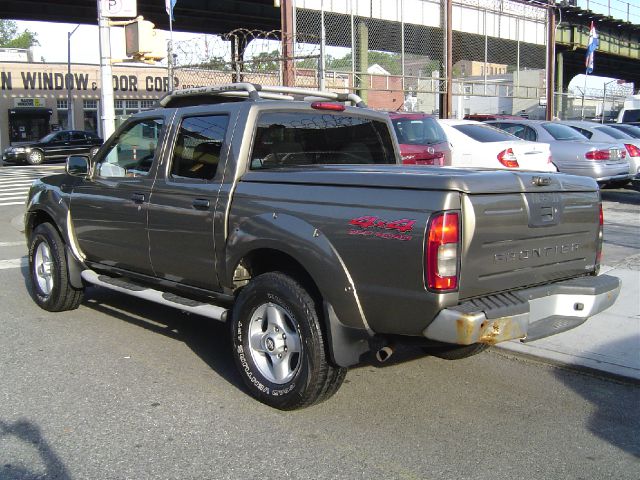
(507, 349)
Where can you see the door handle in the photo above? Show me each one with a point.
(137, 197)
(201, 203)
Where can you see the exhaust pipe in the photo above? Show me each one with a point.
(384, 353)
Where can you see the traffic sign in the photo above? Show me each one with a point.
(119, 8)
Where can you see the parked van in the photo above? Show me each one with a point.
(630, 112)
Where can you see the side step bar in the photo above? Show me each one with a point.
(170, 299)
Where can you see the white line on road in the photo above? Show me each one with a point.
(11, 244)
(14, 263)
(6, 204)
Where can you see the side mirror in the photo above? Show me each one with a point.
(77, 165)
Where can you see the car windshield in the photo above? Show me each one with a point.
(631, 115)
(419, 131)
(484, 133)
(562, 132)
(48, 137)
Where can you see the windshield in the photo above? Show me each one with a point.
(421, 131)
(562, 132)
(48, 137)
(485, 134)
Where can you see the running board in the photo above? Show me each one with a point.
(164, 298)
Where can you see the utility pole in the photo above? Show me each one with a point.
(108, 116)
(70, 122)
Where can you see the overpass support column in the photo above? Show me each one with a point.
(287, 23)
(561, 99)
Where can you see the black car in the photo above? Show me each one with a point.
(54, 146)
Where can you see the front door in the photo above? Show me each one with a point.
(183, 203)
(109, 207)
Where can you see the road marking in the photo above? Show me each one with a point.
(3, 204)
(14, 263)
(11, 244)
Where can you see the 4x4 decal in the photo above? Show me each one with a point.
(375, 226)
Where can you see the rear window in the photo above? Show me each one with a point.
(285, 139)
(612, 132)
(562, 132)
(583, 131)
(484, 133)
(630, 130)
(421, 131)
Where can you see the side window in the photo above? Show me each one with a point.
(133, 150)
(514, 129)
(530, 134)
(61, 137)
(198, 146)
(78, 136)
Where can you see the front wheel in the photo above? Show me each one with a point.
(52, 290)
(35, 157)
(278, 344)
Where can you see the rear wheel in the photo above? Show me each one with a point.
(52, 290)
(278, 344)
(456, 352)
(35, 157)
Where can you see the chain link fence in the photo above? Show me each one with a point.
(393, 53)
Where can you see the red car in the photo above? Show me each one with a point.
(422, 140)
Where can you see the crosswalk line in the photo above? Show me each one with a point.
(14, 263)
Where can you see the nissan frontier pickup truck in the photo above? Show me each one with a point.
(285, 213)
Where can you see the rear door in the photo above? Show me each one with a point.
(183, 202)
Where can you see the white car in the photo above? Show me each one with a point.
(476, 145)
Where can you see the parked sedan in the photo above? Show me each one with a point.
(54, 146)
(477, 145)
(422, 140)
(572, 153)
(597, 132)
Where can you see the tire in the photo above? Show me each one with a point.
(456, 352)
(93, 151)
(35, 157)
(48, 272)
(278, 344)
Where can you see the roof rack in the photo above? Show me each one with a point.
(255, 91)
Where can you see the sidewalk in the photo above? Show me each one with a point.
(608, 342)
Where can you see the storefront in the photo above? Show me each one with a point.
(34, 97)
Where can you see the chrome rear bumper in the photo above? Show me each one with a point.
(526, 314)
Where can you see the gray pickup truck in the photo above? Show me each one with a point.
(284, 213)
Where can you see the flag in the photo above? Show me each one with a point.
(592, 46)
(169, 4)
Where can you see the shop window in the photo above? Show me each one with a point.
(90, 115)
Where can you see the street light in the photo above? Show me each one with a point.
(604, 95)
(70, 123)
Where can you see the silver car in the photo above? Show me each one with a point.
(597, 132)
(571, 152)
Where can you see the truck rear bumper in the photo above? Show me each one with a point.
(526, 314)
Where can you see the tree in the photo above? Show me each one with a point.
(11, 38)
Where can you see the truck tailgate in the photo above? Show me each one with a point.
(515, 240)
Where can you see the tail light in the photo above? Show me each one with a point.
(508, 158)
(632, 150)
(602, 155)
(442, 251)
(600, 239)
(436, 158)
